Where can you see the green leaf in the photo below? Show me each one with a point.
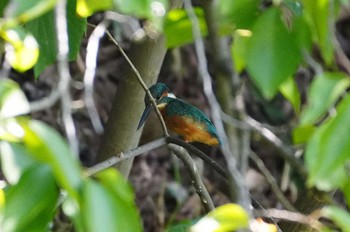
(46, 39)
(339, 216)
(86, 8)
(102, 210)
(43, 29)
(328, 151)
(302, 33)
(318, 15)
(239, 49)
(123, 196)
(302, 133)
(26, 10)
(290, 91)
(238, 14)
(274, 53)
(30, 204)
(3, 4)
(229, 217)
(178, 27)
(47, 146)
(142, 8)
(14, 161)
(22, 50)
(324, 91)
(11, 95)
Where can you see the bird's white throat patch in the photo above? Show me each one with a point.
(171, 95)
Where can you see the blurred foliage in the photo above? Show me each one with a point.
(38, 164)
(41, 173)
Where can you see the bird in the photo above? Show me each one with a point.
(180, 117)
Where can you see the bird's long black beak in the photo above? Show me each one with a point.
(145, 115)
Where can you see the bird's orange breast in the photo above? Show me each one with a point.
(189, 129)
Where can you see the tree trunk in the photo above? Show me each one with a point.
(120, 133)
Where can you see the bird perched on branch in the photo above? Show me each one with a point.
(180, 117)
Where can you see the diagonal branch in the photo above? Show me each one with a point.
(124, 156)
(271, 180)
(195, 151)
(240, 191)
(110, 15)
(310, 220)
(197, 182)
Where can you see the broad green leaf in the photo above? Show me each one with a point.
(274, 53)
(339, 216)
(324, 91)
(128, 217)
(318, 15)
(142, 8)
(26, 10)
(31, 203)
(178, 27)
(328, 151)
(3, 4)
(47, 146)
(238, 14)
(229, 217)
(302, 133)
(43, 29)
(10, 96)
(290, 91)
(86, 8)
(239, 48)
(300, 29)
(22, 50)
(14, 161)
(101, 211)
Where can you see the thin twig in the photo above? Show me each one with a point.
(89, 76)
(286, 152)
(271, 180)
(197, 182)
(241, 191)
(125, 155)
(195, 151)
(342, 58)
(318, 69)
(63, 71)
(310, 220)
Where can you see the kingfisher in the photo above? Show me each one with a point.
(180, 117)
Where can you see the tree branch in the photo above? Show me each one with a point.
(310, 220)
(197, 182)
(89, 75)
(239, 190)
(286, 152)
(195, 151)
(271, 180)
(124, 156)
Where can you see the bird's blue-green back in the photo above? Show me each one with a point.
(177, 107)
